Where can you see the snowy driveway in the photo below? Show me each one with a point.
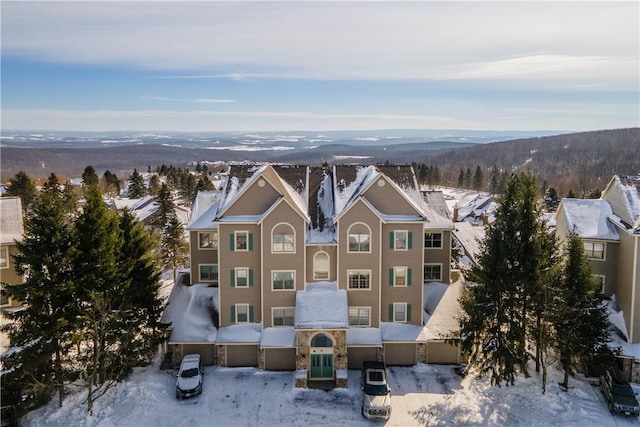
(422, 395)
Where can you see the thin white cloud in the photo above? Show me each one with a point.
(214, 101)
(337, 40)
(196, 101)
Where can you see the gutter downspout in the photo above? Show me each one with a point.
(634, 285)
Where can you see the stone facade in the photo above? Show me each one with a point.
(303, 354)
(221, 355)
(422, 352)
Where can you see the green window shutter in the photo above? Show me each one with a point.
(233, 278)
(391, 240)
(232, 239)
(250, 241)
(410, 240)
(391, 277)
(390, 312)
(251, 277)
(233, 314)
(251, 313)
(408, 277)
(408, 312)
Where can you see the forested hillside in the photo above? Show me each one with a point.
(579, 162)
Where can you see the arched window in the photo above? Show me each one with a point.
(283, 239)
(321, 266)
(321, 340)
(359, 236)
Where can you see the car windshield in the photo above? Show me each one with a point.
(188, 373)
(622, 390)
(375, 389)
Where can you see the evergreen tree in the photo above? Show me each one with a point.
(136, 186)
(166, 207)
(467, 178)
(187, 189)
(494, 180)
(21, 185)
(43, 330)
(204, 184)
(110, 184)
(478, 179)
(571, 194)
(507, 282)
(154, 185)
(461, 179)
(174, 248)
(580, 320)
(551, 200)
(89, 176)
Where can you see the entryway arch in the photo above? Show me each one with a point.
(321, 346)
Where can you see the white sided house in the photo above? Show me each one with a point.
(316, 269)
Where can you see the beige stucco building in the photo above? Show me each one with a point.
(320, 268)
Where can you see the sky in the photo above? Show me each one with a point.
(307, 65)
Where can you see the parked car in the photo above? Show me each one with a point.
(619, 393)
(376, 393)
(189, 382)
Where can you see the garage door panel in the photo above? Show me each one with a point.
(442, 353)
(242, 355)
(280, 359)
(206, 352)
(401, 354)
(357, 355)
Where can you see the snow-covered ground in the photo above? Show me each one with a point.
(425, 395)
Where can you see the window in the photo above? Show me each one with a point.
(400, 276)
(594, 250)
(599, 280)
(432, 240)
(241, 277)
(359, 242)
(321, 266)
(359, 279)
(4, 297)
(241, 241)
(4, 257)
(359, 316)
(283, 316)
(208, 273)
(243, 313)
(432, 272)
(283, 280)
(208, 240)
(401, 312)
(400, 240)
(283, 239)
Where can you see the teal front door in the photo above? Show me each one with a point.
(321, 366)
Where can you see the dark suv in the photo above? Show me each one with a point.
(619, 393)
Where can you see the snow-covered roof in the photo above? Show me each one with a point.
(401, 332)
(11, 225)
(243, 333)
(590, 218)
(204, 209)
(281, 336)
(321, 306)
(364, 337)
(442, 307)
(630, 188)
(620, 336)
(190, 313)
(470, 238)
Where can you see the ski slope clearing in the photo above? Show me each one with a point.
(423, 395)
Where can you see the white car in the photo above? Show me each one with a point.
(189, 382)
(376, 393)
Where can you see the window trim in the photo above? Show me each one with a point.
(273, 280)
(366, 272)
(293, 234)
(358, 307)
(208, 280)
(439, 233)
(273, 316)
(590, 253)
(4, 249)
(236, 275)
(406, 240)
(431, 264)
(235, 240)
(214, 242)
(237, 312)
(395, 276)
(349, 234)
(395, 304)
(316, 271)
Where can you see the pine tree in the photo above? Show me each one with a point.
(110, 184)
(461, 179)
(174, 248)
(580, 320)
(154, 185)
(136, 186)
(21, 185)
(494, 180)
(43, 330)
(204, 184)
(478, 179)
(499, 307)
(188, 188)
(551, 200)
(166, 207)
(89, 176)
(467, 178)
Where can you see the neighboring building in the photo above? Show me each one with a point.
(11, 230)
(475, 208)
(610, 230)
(320, 268)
